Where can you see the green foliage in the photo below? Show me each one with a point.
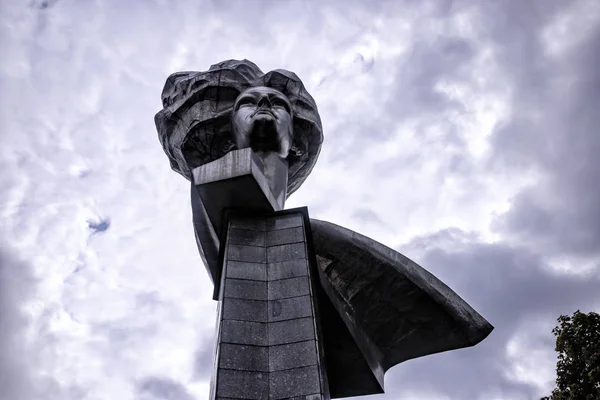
(578, 366)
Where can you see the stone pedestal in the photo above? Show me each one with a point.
(240, 180)
(268, 342)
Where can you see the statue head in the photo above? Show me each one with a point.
(235, 105)
(262, 119)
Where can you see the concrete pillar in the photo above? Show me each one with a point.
(268, 340)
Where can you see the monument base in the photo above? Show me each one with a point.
(269, 342)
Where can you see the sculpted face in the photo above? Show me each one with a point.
(262, 120)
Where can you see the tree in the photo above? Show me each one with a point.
(578, 366)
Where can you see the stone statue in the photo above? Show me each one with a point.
(373, 307)
(262, 120)
(196, 126)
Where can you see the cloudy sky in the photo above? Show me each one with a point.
(464, 134)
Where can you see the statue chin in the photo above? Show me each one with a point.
(264, 137)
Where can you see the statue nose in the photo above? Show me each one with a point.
(264, 102)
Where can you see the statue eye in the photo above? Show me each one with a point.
(280, 103)
(244, 101)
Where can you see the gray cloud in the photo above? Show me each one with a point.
(414, 97)
(510, 286)
(84, 83)
(426, 64)
(552, 129)
(16, 285)
(99, 226)
(555, 130)
(204, 359)
(17, 354)
(157, 388)
(366, 215)
(43, 4)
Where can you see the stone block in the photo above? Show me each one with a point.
(285, 236)
(243, 384)
(294, 382)
(253, 333)
(245, 289)
(255, 224)
(246, 237)
(237, 252)
(246, 310)
(246, 270)
(294, 355)
(296, 307)
(285, 252)
(286, 288)
(243, 357)
(287, 269)
(237, 181)
(291, 331)
(284, 222)
(303, 397)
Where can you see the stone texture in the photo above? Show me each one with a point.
(238, 180)
(245, 332)
(246, 289)
(286, 252)
(207, 239)
(291, 331)
(282, 236)
(244, 357)
(285, 222)
(247, 270)
(241, 222)
(245, 310)
(237, 252)
(294, 355)
(306, 397)
(246, 237)
(243, 384)
(284, 384)
(268, 320)
(286, 288)
(287, 269)
(296, 307)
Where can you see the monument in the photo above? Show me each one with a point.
(307, 309)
